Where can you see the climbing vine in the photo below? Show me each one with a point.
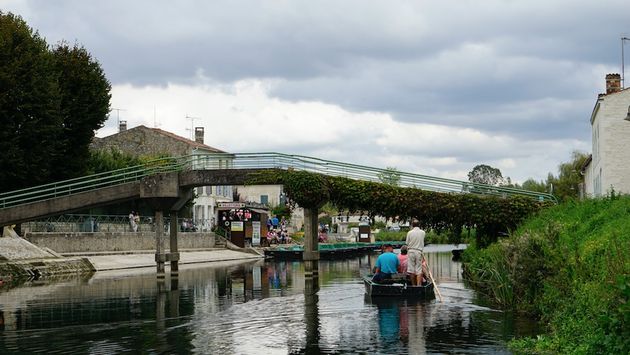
(488, 215)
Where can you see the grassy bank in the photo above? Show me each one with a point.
(570, 266)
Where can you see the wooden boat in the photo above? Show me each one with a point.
(398, 289)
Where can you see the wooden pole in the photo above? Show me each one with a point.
(437, 289)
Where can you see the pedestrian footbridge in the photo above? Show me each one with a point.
(171, 179)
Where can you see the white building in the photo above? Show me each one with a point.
(608, 167)
(270, 195)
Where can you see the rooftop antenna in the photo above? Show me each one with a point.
(117, 114)
(192, 126)
(623, 69)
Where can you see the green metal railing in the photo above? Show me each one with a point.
(353, 171)
(269, 160)
(90, 182)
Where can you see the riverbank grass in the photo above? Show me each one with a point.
(570, 266)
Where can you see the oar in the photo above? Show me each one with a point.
(433, 280)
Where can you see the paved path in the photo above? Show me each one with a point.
(126, 261)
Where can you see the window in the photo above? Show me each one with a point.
(264, 199)
(208, 190)
(596, 143)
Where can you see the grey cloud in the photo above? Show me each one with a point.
(499, 66)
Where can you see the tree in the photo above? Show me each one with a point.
(84, 95)
(533, 185)
(485, 174)
(391, 176)
(29, 106)
(566, 185)
(51, 101)
(103, 160)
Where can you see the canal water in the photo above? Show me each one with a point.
(262, 307)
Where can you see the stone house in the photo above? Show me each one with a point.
(608, 167)
(143, 141)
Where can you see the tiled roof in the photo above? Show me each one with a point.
(182, 139)
(162, 132)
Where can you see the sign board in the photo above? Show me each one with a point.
(256, 233)
(231, 204)
(237, 226)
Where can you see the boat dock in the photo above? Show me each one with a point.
(326, 251)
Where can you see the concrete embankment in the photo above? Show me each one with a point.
(142, 259)
(20, 259)
(74, 242)
(48, 254)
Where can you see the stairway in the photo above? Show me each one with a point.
(220, 242)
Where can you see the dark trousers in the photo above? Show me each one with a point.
(379, 277)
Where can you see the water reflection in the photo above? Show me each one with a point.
(248, 308)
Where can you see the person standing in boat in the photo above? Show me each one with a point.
(386, 264)
(415, 246)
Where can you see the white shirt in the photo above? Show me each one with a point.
(415, 239)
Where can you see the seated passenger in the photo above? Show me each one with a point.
(402, 259)
(386, 264)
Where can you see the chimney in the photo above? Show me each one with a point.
(122, 126)
(613, 83)
(199, 135)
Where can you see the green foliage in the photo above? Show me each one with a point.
(281, 211)
(569, 265)
(379, 225)
(431, 237)
(29, 106)
(566, 184)
(490, 216)
(103, 160)
(325, 220)
(391, 176)
(329, 209)
(485, 174)
(536, 186)
(85, 95)
(51, 101)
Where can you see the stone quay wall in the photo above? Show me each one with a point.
(105, 241)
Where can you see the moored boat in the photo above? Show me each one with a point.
(398, 289)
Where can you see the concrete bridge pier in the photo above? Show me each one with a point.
(311, 244)
(160, 256)
(174, 254)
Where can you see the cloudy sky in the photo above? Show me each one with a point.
(432, 87)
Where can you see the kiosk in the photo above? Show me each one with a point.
(245, 222)
(365, 232)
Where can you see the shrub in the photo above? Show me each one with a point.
(569, 266)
